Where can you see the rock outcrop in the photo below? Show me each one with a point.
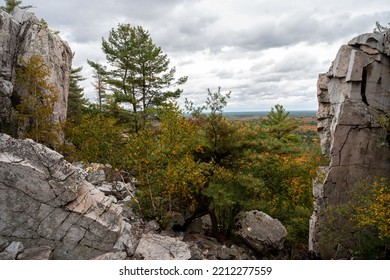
(354, 106)
(45, 201)
(261, 232)
(22, 36)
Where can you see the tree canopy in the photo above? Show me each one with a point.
(36, 108)
(141, 76)
(100, 75)
(76, 99)
(279, 122)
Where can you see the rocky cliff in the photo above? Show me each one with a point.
(354, 104)
(22, 36)
(45, 201)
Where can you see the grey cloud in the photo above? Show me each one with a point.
(185, 62)
(295, 62)
(192, 26)
(262, 78)
(91, 19)
(297, 28)
(300, 27)
(224, 74)
(181, 25)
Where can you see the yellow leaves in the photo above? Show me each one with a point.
(372, 209)
(307, 127)
(37, 106)
(223, 174)
(162, 158)
(97, 139)
(302, 159)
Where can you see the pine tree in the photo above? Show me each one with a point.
(76, 100)
(279, 122)
(141, 76)
(100, 75)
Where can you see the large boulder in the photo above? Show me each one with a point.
(354, 101)
(261, 232)
(45, 201)
(153, 246)
(22, 35)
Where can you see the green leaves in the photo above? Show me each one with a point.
(279, 122)
(162, 157)
(140, 75)
(97, 139)
(76, 100)
(101, 86)
(37, 105)
(361, 225)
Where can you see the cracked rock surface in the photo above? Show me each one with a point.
(261, 232)
(22, 36)
(45, 201)
(353, 98)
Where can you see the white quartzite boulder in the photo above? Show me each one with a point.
(261, 232)
(45, 201)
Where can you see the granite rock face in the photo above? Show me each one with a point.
(21, 37)
(46, 201)
(354, 103)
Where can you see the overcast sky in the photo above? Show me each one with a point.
(264, 51)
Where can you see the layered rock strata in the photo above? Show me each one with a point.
(353, 114)
(22, 35)
(45, 201)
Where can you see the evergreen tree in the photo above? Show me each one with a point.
(141, 76)
(11, 4)
(219, 133)
(100, 75)
(76, 100)
(279, 122)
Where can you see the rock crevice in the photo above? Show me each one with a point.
(353, 98)
(46, 201)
